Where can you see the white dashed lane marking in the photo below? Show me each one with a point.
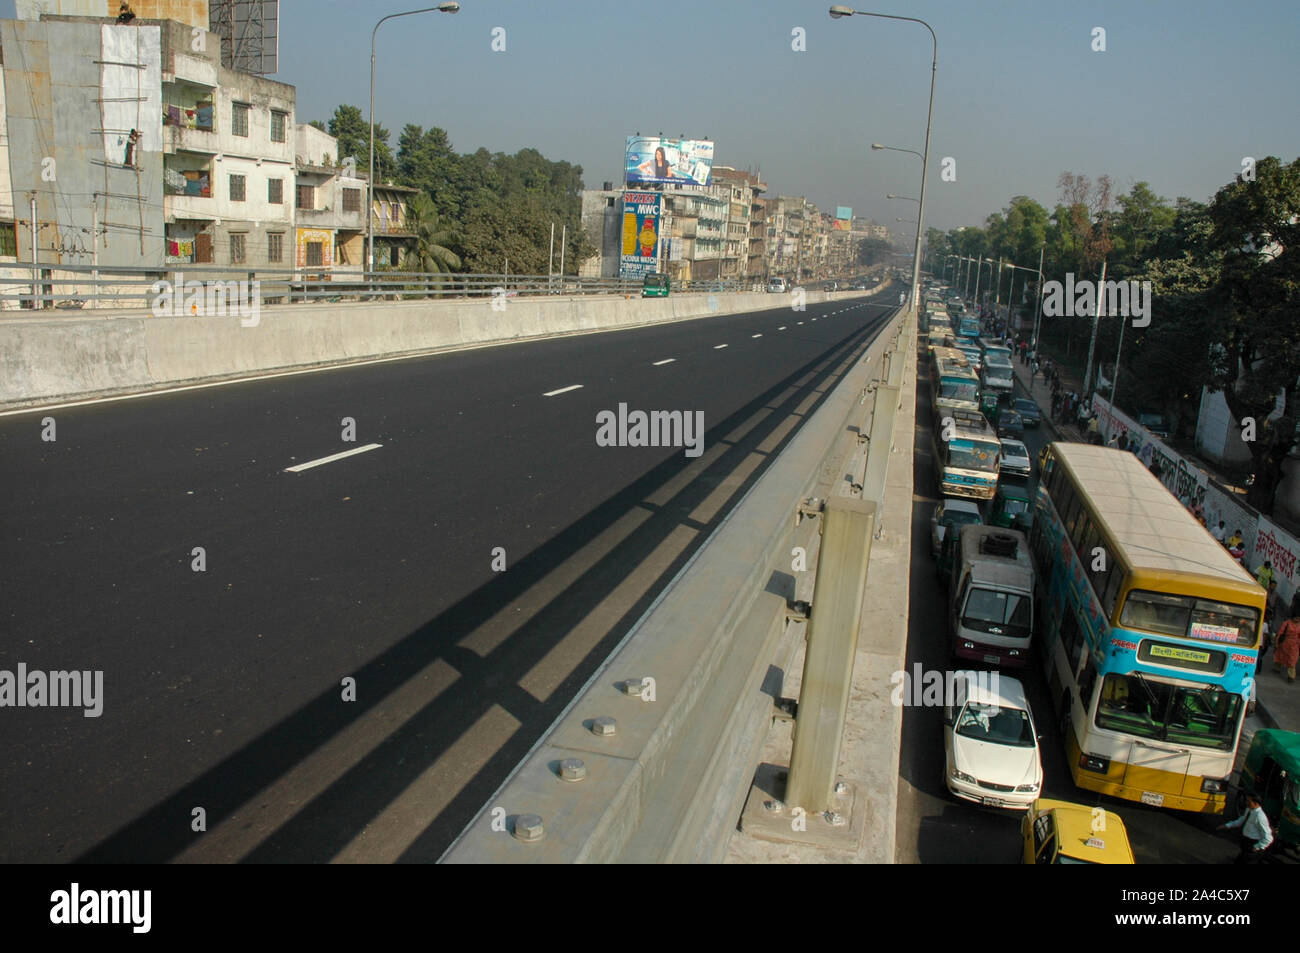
(668, 360)
(330, 459)
(718, 346)
(562, 390)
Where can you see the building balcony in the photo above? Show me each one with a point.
(186, 139)
(331, 218)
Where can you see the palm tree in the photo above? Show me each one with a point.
(430, 253)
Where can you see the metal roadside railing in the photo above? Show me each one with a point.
(655, 758)
(53, 288)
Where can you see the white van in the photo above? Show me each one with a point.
(991, 599)
(776, 286)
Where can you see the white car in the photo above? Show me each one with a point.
(1015, 458)
(991, 753)
(951, 512)
(776, 286)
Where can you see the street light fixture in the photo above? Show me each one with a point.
(840, 10)
(448, 7)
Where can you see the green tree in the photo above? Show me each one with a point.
(873, 251)
(350, 128)
(1255, 354)
(431, 252)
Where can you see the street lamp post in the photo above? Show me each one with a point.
(448, 7)
(839, 10)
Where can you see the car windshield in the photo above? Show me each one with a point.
(1013, 506)
(960, 518)
(999, 726)
(1011, 448)
(1204, 716)
(997, 613)
(1024, 406)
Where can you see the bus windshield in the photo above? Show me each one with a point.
(959, 390)
(1190, 618)
(988, 609)
(1204, 716)
(970, 326)
(973, 455)
(1000, 726)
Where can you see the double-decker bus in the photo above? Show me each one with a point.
(966, 452)
(1150, 631)
(954, 385)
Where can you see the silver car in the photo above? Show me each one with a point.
(1015, 458)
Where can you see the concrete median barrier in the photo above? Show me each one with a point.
(50, 358)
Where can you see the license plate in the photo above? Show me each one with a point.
(991, 801)
(992, 659)
(1152, 798)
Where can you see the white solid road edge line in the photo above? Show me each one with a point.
(330, 459)
(562, 390)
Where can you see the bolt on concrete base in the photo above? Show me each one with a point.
(767, 816)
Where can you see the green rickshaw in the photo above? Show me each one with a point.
(1272, 771)
(989, 406)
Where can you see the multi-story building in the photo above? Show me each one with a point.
(153, 154)
(329, 205)
(393, 235)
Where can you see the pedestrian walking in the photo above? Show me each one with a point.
(1287, 652)
(1256, 832)
(1220, 532)
(1265, 576)
(1033, 371)
(1274, 610)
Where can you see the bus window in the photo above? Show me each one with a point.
(1188, 617)
(1112, 591)
(1089, 556)
(1087, 680)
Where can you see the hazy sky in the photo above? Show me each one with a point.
(1183, 91)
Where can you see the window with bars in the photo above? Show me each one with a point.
(315, 253)
(278, 120)
(238, 248)
(275, 191)
(306, 197)
(237, 188)
(275, 247)
(352, 200)
(239, 119)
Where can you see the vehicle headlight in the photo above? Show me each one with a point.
(961, 776)
(1026, 788)
(1214, 786)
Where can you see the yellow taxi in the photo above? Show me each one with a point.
(1058, 832)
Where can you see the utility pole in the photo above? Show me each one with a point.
(564, 238)
(550, 262)
(36, 272)
(1038, 311)
(1096, 317)
(94, 247)
(979, 271)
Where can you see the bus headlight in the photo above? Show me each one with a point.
(1092, 763)
(1214, 786)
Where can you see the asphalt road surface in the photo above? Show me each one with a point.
(352, 675)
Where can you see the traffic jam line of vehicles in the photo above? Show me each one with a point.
(1146, 630)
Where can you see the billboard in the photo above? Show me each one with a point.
(650, 159)
(641, 213)
(843, 218)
